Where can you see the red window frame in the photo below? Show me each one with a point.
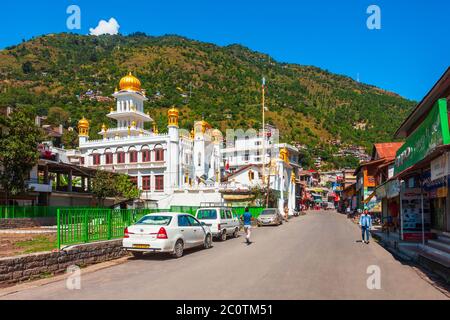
(82, 160)
(96, 159)
(159, 183)
(108, 158)
(134, 180)
(145, 155)
(159, 154)
(133, 156)
(146, 183)
(120, 157)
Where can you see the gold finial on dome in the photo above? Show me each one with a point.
(192, 133)
(173, 117)
(293, 176)
(133, 124)
(83, 127)
(130, 83)
(155, 128)
(104, 128)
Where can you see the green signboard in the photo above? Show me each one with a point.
(432, 132)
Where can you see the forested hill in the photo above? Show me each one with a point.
(310, 106)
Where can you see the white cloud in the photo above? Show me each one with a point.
(105, 27)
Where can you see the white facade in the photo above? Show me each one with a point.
(158, 163)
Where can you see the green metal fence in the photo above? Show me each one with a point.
(27, 212)
(83, 225)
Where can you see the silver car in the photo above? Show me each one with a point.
(270, 216)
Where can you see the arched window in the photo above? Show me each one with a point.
(159, 153)
(120, 156)
(95, 158)
(108, 156)
(133, 155)
(145, 151)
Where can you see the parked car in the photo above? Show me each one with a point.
(329, 206)
(166, 232)
(270, 216)
(221, 220)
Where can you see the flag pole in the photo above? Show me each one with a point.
(263, 133)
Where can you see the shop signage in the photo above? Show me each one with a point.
(411, 218)
(381, 191)
(435, 188)
(392, 189)
(440, 167)
(432, 132)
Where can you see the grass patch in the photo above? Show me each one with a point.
(37, 244)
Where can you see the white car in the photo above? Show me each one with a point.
(166, 232)
(221, 220)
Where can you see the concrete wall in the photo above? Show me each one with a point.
(32, 266)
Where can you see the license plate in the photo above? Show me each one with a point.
(141, 246)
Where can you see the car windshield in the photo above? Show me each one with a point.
(268, 212)
(155, 220)
(207, 214)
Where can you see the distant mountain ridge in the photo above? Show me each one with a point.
(310, 106)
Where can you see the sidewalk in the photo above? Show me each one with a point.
(428, 256)
(407, 250)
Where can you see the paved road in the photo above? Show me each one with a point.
(312, 257)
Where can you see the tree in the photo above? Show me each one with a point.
(19, 139)
(27, 67)
(103, 186)
(70, 139)
(108, 184)
(57, 116)
(126, 189)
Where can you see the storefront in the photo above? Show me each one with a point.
(422, 166)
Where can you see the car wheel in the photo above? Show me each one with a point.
(178, 249)
(208, 241)
(223, 236)
(137, 254)
(236, 233)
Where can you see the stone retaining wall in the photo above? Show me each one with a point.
(26, 222)
(37, 265)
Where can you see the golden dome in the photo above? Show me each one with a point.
(83, 123)
(173, 112)
(130, 83)
(173, 116)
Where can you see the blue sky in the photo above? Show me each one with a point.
(407, 56)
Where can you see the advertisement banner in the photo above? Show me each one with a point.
(411, 215)
(432, 132)
(392, 189)
(439, 167)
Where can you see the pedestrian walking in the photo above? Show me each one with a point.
(247, 218)
(286, 214)
(365, 221)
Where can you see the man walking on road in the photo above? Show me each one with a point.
(247, 217)
(365, 221)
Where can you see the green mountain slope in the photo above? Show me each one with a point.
(309, 105)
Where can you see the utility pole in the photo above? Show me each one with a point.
(263, 129)
(264, 142)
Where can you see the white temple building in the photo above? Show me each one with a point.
(181, 167)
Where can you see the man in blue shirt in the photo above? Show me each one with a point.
(365, 221)
(247, 217)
